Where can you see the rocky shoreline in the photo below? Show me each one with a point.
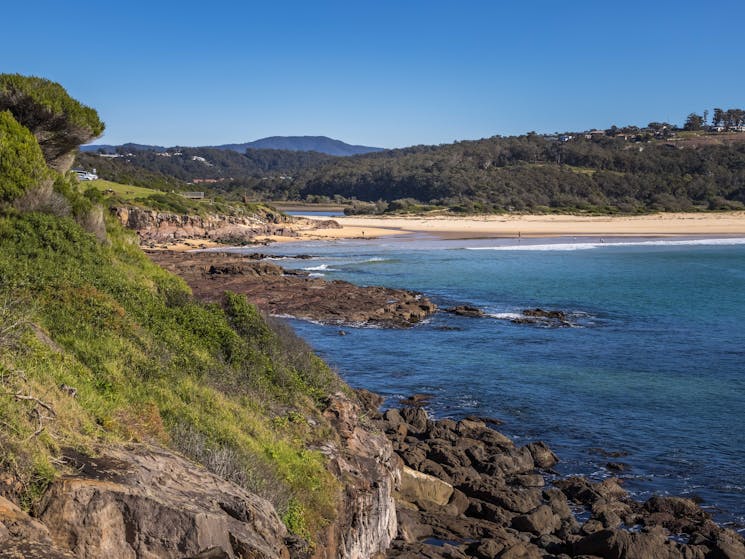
(161, 229)
(468, 491)
(281, 292)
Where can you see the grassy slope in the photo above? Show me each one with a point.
(126, 192)
(149, 364)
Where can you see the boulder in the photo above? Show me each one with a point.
(543, 457)
(424, 489)
(620, 544)
(140, 501)
(541, 521)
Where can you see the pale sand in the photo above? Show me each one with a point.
(452, 227)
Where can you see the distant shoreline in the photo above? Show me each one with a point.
(530, 226)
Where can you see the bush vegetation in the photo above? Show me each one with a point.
(22, 164)
(98, 345)
(149, 363)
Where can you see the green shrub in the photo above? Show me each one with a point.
(22, 165)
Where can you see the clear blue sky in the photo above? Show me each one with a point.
(386, 73)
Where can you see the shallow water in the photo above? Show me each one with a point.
(654, 365)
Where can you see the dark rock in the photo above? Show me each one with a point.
(466, 310)
(489, 549)
(458, 503)
(617, 466)
(540, 313)
(606, 453)
(540, 521)
(210, 274)
(543, 318)
(676, 514)
(369, 401)
(416, 400)
(619, 544)
(543, 457)
(448, 455)
(416, 418)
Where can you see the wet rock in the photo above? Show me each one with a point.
(416, 400)
(276, 291)
(678, 515)
(543, 457)
(466, 310)
(543, 318)
(607, 453)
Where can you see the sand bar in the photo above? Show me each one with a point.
(454, 227)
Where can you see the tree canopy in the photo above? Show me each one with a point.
(59, 122)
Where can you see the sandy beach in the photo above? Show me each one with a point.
(453, 227)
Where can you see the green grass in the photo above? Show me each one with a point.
(126, 192)
(151, 364)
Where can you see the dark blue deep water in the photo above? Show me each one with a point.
(654, 366)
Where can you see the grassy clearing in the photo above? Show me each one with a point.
(151, 364)
(126, 192)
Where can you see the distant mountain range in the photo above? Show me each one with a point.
(320, 144)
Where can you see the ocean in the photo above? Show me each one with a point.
(651, 374)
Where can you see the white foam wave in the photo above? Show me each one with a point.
(319, 268)
(505, 315)
(316, 275)
(592, 245)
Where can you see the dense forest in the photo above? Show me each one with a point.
(625, 170)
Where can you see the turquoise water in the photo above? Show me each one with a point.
(653, 367)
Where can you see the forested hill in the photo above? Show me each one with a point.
(232, 170)
(603, 171)
(532, 172)
(319, 144)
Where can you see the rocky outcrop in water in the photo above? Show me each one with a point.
(469, 491)
(154, 227)
(279, 292)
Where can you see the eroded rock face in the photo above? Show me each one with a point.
(24, 537)
(365, 461)
(159, 227)
(143, 502)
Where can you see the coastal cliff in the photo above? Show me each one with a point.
(155, 227)
(138, 500)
